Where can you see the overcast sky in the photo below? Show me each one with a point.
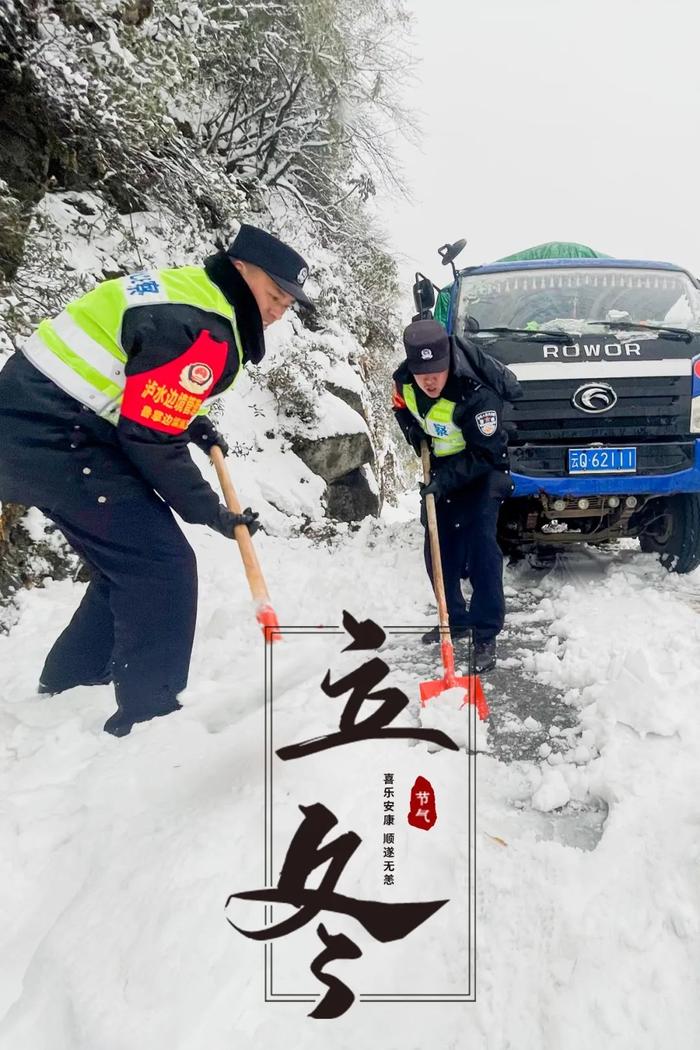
(552, 120)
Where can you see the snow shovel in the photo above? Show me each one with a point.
(474, 692)
(264, 613)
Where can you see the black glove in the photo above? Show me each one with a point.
(434, 488)
(415, 435)
(202, 433)
(227, 521)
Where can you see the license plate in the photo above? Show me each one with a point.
(602, 460)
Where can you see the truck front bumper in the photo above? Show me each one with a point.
(650, 484)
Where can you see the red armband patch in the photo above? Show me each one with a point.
(166, 398)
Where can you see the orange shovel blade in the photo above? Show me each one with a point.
(471, 684)
(267, 618)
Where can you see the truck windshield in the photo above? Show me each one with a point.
(568, 299)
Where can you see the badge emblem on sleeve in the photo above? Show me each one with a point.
(196, 378)
(487, 422)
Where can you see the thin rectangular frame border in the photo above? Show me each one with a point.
(365, 997)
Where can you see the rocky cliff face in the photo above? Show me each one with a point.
(96, 183)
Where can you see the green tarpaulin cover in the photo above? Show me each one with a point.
(555, 250)
(442, 305)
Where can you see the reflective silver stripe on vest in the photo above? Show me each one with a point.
(108, 365)
(50, 365)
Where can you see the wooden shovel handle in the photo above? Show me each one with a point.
(256, 580)
(438, 578)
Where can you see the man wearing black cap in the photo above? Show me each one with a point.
(451, 393)
(96, 413)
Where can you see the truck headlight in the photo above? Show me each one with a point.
(695, 398)
(695, 415)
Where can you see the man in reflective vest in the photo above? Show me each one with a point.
(96, 413)
(449, 393)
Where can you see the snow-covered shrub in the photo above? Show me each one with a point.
(31, 549)
(296, 388)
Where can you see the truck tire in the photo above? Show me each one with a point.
(674, 532)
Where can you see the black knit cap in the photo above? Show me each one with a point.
(280, 262)
(427, 347)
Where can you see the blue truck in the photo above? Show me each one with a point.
(605, 442)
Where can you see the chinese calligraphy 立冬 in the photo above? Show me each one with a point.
(384, 921)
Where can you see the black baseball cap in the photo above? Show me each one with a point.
(427, 347)
(280, 262)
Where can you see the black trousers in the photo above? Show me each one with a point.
(467, 522)
(136, 621)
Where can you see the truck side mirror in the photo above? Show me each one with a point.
(449, 252)
(423, 296)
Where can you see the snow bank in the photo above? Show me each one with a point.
(117, 856)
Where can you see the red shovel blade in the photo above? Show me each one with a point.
(267, 618)
(474, 693)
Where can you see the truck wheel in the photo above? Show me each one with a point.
(674, 532)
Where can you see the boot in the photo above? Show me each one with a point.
(484, 655)
(46, 690)
(121, 724)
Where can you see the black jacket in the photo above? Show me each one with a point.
(477, 400)
(46, 435)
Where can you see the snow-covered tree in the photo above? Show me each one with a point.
(140, 131)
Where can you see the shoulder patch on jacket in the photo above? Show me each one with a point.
(487, 422)
(166, 398)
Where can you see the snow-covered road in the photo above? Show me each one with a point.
(116, 855)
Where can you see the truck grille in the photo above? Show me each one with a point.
(646, 408)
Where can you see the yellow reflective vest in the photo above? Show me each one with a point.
(446, 436)
(81, 351)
